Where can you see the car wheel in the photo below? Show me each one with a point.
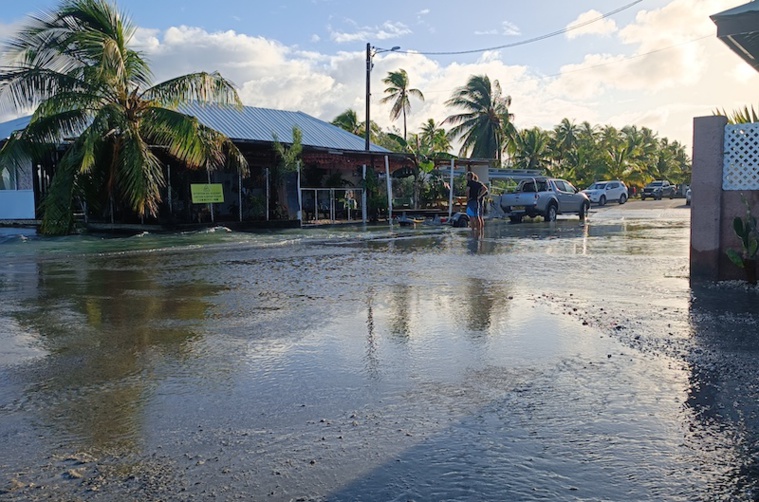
(515, 219)
(551, 213)
(584, 211)
(671, 196)
(642, 197)
(622, 199)
(687, 203)
(462, 221)
(602, 201)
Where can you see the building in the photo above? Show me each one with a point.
(330, 180)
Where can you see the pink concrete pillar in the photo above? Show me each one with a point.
(706, 205)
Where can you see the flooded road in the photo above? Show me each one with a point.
(543, 362)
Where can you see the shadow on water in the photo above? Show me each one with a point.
(724, 390)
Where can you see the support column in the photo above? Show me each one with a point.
(706, 206)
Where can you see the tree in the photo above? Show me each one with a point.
(398, 91)
(564, 141)
(348, 121)
(75, 67)
(435, 138)
(486, 126)
(743, 115)
(288, 163)
(531, 149)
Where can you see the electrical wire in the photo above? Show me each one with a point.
(529, 40)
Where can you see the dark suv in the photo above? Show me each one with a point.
(658, 190)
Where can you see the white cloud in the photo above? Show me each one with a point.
(510, 29)
(387, 30)
(662, 81)
(589, 23)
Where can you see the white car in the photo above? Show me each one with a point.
(602, 192)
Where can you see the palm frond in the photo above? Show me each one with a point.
(201, 87)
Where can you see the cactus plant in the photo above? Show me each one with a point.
(746, 230)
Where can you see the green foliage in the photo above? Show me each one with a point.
(746, 230)
(743, 115)
(398, 91)
(581, 153)
(289, 158)
(376, 200)
(485, 126)
(73, 67)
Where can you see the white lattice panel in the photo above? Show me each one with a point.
(740, 168)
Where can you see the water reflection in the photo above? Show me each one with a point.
(104, 321)
(402, 365)
(724, 390)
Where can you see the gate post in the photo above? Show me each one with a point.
(706, 207)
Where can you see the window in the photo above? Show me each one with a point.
(16, 178)
(563, 186)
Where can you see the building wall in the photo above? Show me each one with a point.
(17, 205)
(713, 208)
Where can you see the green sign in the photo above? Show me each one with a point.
(207, 193)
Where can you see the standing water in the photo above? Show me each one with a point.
(542, 362)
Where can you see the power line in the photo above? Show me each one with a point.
(530, 40)
(610, 63)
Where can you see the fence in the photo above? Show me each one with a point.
(331, 204)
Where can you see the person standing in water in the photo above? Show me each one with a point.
(475, 196)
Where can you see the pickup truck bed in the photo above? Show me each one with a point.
(546, 197)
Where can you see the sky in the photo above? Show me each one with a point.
(652, 63)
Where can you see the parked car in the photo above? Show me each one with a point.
(601, 192)
(546, 197)
(658, 190)
(687, 197)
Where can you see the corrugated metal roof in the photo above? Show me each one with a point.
(260, 124)
(256, 124)
(741, 9)
(8, 128)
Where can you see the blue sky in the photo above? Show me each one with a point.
(656, 63)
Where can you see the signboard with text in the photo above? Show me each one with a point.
(207, 193)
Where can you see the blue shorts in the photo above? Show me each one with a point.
(473, 208)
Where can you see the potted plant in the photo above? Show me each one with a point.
(746, 230)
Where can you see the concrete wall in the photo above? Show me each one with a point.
(17, 205)
(713, 209)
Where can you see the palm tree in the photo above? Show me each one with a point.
(398, 91)
(564, 141)
(348, 121)
(743, 115)
(486, 126)
(289, 158)
(74, 66)
(532, 149)
(435, 138)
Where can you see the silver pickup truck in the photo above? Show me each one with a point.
(546, 197)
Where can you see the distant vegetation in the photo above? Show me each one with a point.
(581, 153)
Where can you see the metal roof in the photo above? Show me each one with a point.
(256, 124)
(738, 28)
(8, 128)
(260, 124)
